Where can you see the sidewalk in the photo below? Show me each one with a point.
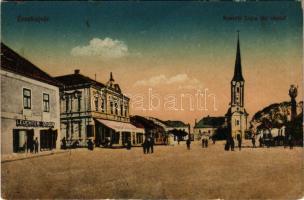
(22, 156)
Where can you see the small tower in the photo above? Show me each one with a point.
(237, 115)
(111, 80)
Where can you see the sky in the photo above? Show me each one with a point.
(175, 60)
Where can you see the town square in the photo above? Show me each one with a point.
(152, 100)
(171, 172)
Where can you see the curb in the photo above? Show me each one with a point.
(30, 157)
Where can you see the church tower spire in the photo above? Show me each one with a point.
(238, 76)
(237, 115)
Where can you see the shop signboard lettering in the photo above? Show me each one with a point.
(32, 123)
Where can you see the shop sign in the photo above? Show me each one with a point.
(32, 123)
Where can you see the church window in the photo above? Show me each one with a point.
(237, 122)
(237, 89)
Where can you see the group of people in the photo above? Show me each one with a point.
(230, 143)
(32, 146)
(148, 145)
(75, 144)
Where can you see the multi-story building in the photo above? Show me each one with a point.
(29, 105)
(93, 110)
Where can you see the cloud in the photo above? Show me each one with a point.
(182, 81)
(104, 48)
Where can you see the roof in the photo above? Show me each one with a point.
(143, 122)
(13, 62)
(229, 113)
(120, 126)
(210, 122)
(77, 79)
(238, 76)
(175, 123)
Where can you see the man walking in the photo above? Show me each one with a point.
(188, 143)
(152, 144)
(253, 141)
(239, 139)
(36, 145)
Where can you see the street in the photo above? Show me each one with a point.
(170, 172)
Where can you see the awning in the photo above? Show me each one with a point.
(120, 126)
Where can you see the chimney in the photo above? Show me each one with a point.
(76, 71)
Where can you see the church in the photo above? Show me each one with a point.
(236, 115)
(235, 120)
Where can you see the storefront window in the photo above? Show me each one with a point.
(26, 98)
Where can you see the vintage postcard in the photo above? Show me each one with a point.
(152, 99)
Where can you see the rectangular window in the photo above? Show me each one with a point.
(26, 98)
(67, 104)
(46, 102)
(102, 105)
(79, 129)
(111, 107)
(96, 103)
(116, 109)
(79, 104)
(126, 111)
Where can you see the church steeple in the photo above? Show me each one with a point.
(238, 65)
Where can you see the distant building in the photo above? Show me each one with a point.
(208, 126)
(163, 132)
(97, 111)
(29, 105)
(179, 127)
(236, 114)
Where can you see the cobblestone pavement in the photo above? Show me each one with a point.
(171, 172)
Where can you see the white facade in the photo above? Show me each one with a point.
(204, 131)
(41, 118)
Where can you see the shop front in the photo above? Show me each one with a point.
(116, 134)
(27, 131)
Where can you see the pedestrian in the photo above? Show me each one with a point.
(203, 142)
(253, 141)
(152, 144)
(90, 145)
(25, 147)
(227, 144)
(148, 145)
(231, 143)
(63, 143)
(36, 145)
(206, 142)
(188, 143)
(261, 141)
(213, 139)
(290, 141)
(239, 139)
(144, 145)
(129, 143)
